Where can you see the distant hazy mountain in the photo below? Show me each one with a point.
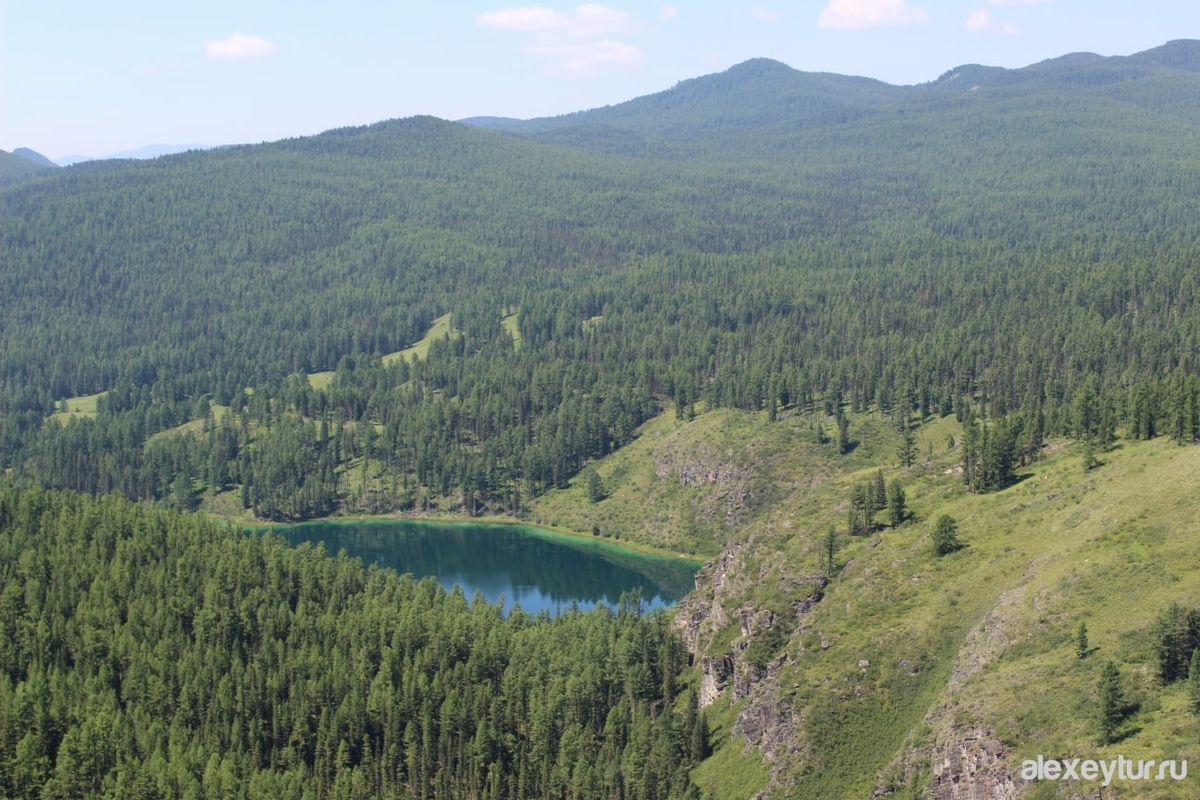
(761, 96)
(33, 156)
(21, 165)
(752, 95)
(146, 151)
(491, 122)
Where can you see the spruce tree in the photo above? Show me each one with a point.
(595, 487)
(699, 743)
(829, 550)
(945, 535)
(1112, 703)
(843, 426)
(908, 444)
(1194, 681)
(1081, 641)
(897, 509)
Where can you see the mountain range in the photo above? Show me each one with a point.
(912, 368)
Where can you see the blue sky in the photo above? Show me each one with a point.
(98, 77)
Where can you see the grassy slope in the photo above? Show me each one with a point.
(510, 324)
(77, 407)
(1112, 547)
(733, 771)
(692, 486)
(440, 327)
(193, 427)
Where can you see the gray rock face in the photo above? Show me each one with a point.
(971, 764)
(767, 720)
(715, 676)
(701, 613)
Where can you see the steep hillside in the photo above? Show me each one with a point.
(904, 672)
(695, 485)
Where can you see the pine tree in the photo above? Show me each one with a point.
(1081, 641)
(897, 503)
(970, 455)
(699, 743)
(878, 492)
(843, 426)
(1035, 427)
(860, 517)
(1090, 462)
(908, 444)
(595, 487)
(1086, 409)
(1112, 703)
(829, 550)
(945, 535)
(1194, 681)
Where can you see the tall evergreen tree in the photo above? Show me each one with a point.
(897, 503)
(1194, 681)
(945, 535)
(1111, 708)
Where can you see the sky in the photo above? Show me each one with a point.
(98, 77)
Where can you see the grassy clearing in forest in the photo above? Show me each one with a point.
(81, 407)
(440, 327)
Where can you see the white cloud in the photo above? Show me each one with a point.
(854, 14)
(237, 47)
(585, 59)
(669, 12)
(584, 22)
(1017, 2)
(575, 44)
(596, 20)
(526, 18)
(980, 20)
(765, 14)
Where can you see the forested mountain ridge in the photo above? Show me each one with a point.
(15, 167)
(916, 247)
(790, 336)
(33, 157)
(762, 94)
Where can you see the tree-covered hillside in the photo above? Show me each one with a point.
(20, 166)
(147, 654)
(1015, 242)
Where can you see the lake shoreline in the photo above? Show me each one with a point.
(539, 569)
(458, 519)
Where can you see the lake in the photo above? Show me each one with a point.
(538, 569)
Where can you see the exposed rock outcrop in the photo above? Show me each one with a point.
(728, 481)
(971, 764)
(967, 761)
(701, 613)
(716, 672)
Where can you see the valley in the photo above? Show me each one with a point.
(844, 436)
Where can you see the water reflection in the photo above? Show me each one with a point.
(520, 565)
